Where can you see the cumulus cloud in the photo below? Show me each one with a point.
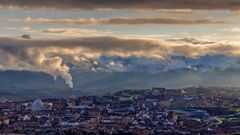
(113, 21)
(55, 56)
(15, 57)
(125, 4)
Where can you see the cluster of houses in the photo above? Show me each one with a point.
(146, 112)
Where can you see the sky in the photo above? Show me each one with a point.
(57, 36)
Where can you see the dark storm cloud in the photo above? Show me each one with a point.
(125, 4)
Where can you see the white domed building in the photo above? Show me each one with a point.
(37, 105)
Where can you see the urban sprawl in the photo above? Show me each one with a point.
(193, 110)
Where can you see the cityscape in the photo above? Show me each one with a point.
(193, 110)
(119, 67)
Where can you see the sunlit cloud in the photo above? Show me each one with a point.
(113, 21)
(64, 32)
(235, 30)
(71, 32)
(53, 56)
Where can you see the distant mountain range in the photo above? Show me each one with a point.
(23, 85)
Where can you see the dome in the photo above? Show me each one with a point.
(37, 105)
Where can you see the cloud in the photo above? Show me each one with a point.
(113, 21)
(16, 57)
(57, 56)
(125, 4)
(173, 63)
(235, 30)
(192, 41)
(66, 32)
